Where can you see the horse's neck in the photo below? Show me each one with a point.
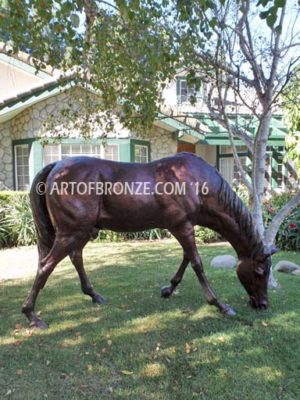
(244, 244)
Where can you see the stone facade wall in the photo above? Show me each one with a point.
(6, 157)
(163, 143)
(30, 123)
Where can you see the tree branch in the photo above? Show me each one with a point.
(272, 229)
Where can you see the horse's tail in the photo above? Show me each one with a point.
(44, 229)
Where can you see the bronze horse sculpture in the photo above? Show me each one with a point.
(68, 217)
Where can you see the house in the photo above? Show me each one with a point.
(28, 99)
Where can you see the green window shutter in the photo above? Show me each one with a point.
(124, 151)
(36, 163)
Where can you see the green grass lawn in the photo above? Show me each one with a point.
(139, 346)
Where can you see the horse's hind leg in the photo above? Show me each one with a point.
(185, 236)
(60, 249)
(87, 288)
(166, 291)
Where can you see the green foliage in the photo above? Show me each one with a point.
(243, 193)
(292, 107)
(270, 15)
(205, 235)
(288, 236)
(16, 224)
(131, 49)
(293, 147)
(152, 234)
(128, 48)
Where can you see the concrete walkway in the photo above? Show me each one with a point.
(18, 262)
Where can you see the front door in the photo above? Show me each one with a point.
(183, 146)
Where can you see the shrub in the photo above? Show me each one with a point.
(288, 236)
(16, 223)
(205, 235)
(151, 234)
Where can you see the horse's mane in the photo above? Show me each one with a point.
(239, 212)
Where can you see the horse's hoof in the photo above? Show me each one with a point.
(166, 292)
(98, 299)
(38, 323)
(228, 310)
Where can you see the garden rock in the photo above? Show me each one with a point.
(224, 261)
(286, 266)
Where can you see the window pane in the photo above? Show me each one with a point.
(228, 149)
(50, 153)
(226, 169)
(236, 173)
(186, 92)
(22, 166)
(280, 171)
(65, 151)
(55, 152)
(141, 153)
(111, 152)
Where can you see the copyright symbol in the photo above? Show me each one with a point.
(40, 188)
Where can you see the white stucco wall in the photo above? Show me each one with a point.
(15, 80)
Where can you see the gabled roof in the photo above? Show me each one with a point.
(13, 106)
(21, 85)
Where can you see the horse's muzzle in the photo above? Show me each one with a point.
(261, 305)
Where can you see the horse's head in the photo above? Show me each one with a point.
(254, 276)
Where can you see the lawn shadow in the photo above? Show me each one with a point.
(141, 346)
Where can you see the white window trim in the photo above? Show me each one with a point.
(199, 94)
(16, 165)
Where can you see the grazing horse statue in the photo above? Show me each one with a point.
(71, 202)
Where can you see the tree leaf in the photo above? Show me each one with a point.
(126, 372)
(280, 3)
(75, 20)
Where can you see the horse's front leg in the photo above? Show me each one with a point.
(186, 237)
(166, 291)
(87, 288)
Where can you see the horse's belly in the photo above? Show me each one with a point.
(132, 216)
(136, 213)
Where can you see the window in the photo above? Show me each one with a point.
(280, 172)
(22, 166)
(141, 153)
(185, 92)
(226, 168)
(73, 150)
(111, 152)
(55, 152)
(228, 149)
(51, 153)
(230, 171)
(236, 173)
